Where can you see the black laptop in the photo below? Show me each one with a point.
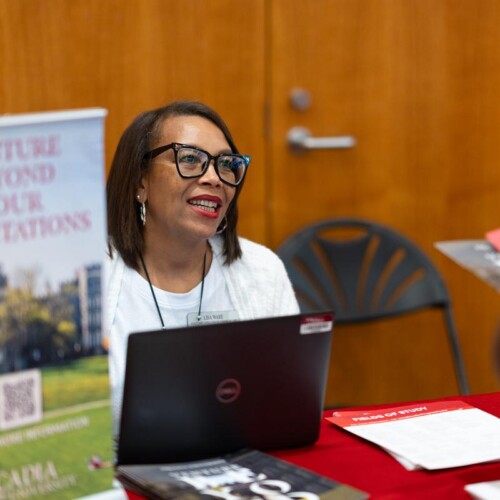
(202, 391)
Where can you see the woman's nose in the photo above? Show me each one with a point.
(210, 176)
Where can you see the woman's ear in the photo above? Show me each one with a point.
(142, 194)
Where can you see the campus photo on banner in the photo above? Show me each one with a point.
(55, 420)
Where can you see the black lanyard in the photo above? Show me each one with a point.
(153, 292)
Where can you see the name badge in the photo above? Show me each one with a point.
(207, 318)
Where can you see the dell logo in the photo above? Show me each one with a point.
(228, 390)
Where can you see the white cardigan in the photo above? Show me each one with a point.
(257, 283)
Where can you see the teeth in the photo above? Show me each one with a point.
(209, 205)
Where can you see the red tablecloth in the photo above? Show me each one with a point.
(349, 459)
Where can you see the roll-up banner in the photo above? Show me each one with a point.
(55, 420)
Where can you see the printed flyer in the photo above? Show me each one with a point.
(55, 421)
(478, 256)
(431, 435)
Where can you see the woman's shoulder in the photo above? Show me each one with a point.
(256, 256)
(113, 261)
(249, 247)
(250, 250)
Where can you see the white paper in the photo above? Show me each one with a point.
(407, 464)
(431, 435)
(489, 490)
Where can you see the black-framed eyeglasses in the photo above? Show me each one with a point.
(193, 162)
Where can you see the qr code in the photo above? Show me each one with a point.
(20, 399)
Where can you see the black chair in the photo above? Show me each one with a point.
(365, 271)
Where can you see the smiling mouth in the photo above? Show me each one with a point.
(209, 206)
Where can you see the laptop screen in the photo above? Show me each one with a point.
(196, 392)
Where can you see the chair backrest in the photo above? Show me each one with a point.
(368, 273)
(365, 271)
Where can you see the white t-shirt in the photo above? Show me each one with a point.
(137, 311)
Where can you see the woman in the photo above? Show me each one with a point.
(172, 212)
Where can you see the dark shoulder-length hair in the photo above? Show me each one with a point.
(125, 231)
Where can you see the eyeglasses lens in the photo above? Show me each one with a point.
(191, 162)
(231, 168)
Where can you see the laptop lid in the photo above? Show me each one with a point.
(202, 391)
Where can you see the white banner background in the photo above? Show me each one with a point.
(51, 193)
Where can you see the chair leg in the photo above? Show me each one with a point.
(457, 355)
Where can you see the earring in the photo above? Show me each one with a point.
(142, 210)
(223, 224)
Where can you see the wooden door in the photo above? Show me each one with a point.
(131, 55)
(417, 83)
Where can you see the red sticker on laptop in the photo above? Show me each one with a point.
(316, 323)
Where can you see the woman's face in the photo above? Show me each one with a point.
(176, 207)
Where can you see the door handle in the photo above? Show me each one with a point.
(300, 139)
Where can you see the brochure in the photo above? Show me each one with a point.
(435, 435)
(248, 474)
(478, 256)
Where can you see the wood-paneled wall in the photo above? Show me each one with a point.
(131, 55)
